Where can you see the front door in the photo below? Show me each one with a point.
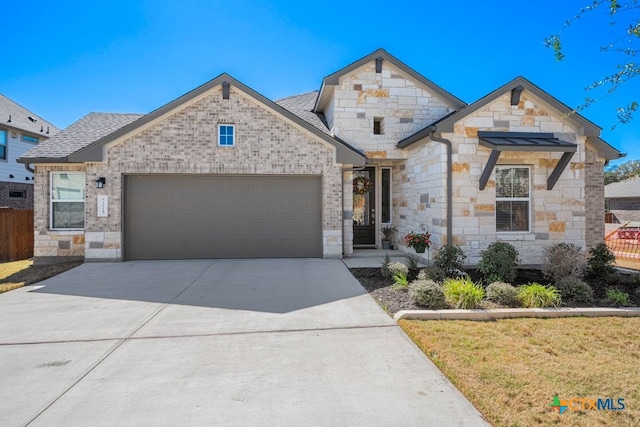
(364, 207)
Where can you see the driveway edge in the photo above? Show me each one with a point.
(510, 313)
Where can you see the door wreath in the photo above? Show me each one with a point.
(361, 185)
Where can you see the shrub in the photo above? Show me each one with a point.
(448, 262)
(398, 267)
(499, 262)
(600, 262)
(574, 290)
(617, 298)
(434, 273)
(535, 295)
(462, 292)
(502, 293)
(563, 260)
(427, 293)
(400, 281)
(412, 261)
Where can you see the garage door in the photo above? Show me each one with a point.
(197, 216)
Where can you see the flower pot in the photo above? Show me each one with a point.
(420, 249)
(386, 244)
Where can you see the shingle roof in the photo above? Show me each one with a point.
(302, 106)
(20, 119)
(627, 188)
(88, 129)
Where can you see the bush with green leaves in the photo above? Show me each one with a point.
(499, 262)
(400, 281)
(412, 261)
(461, 292)
(503, 294)
(617, 298)
(398, 267)
(427, 293)
(600, 262)
(449, 261)
(535, 295)
(574, 291)
(563, 260)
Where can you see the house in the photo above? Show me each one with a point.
(20, 131)
(622, 200)
(223, 172)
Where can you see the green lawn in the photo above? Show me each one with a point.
(511, 369)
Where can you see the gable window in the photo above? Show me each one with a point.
(67, 200)
(29, 138)
(3, 144)
(226, 135)
(513, 198)
(377, 126)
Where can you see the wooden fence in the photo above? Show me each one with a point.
(16, 234)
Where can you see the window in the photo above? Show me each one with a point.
(3, 144)
(13, 194)
(377, 126)
(512, 198)
(226, 135)
(386, 195)
(67, 200)
(28, 138)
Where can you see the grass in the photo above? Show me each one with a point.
(510, 369)
(16, 274)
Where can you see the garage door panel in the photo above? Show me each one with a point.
(184, 217)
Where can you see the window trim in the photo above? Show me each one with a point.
(516, 199)
(233, 136)
(51, 200)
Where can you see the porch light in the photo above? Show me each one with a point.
(100, 182)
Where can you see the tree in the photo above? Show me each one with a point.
(622, 172)
(627, 45)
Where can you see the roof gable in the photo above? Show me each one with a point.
(15, 116)
(94, 150)
(333, 79)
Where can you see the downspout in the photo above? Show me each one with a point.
(433, 137)
(26, 166)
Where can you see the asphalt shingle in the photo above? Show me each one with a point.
(302, 106)
(20, 119)
(88, 129)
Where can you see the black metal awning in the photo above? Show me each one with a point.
(525, 141)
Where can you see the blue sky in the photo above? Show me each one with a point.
(64, 59)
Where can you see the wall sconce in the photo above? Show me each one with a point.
(10, 175)
(100, 182)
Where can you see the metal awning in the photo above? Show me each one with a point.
(525, 141)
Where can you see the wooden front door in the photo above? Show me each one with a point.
(364, 207)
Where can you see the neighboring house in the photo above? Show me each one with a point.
(20, 131)
(622, 200)
(223, 172)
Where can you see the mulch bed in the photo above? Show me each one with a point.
(393, 301)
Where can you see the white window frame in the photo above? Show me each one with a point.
(52, 201)
(232, 126)
(515, 199)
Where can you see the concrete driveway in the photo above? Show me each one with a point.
(213, 342)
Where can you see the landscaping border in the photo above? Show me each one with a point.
(511, 313)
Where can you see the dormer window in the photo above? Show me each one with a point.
(378, 126)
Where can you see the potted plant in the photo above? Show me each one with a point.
(388, 232)
(418, 241)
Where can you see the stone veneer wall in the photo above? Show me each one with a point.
(50, 245)
(559, 215)
(16, 202)
(186, 143)
(364, 95)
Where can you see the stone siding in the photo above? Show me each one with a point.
(404, 106)
(25, 202)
